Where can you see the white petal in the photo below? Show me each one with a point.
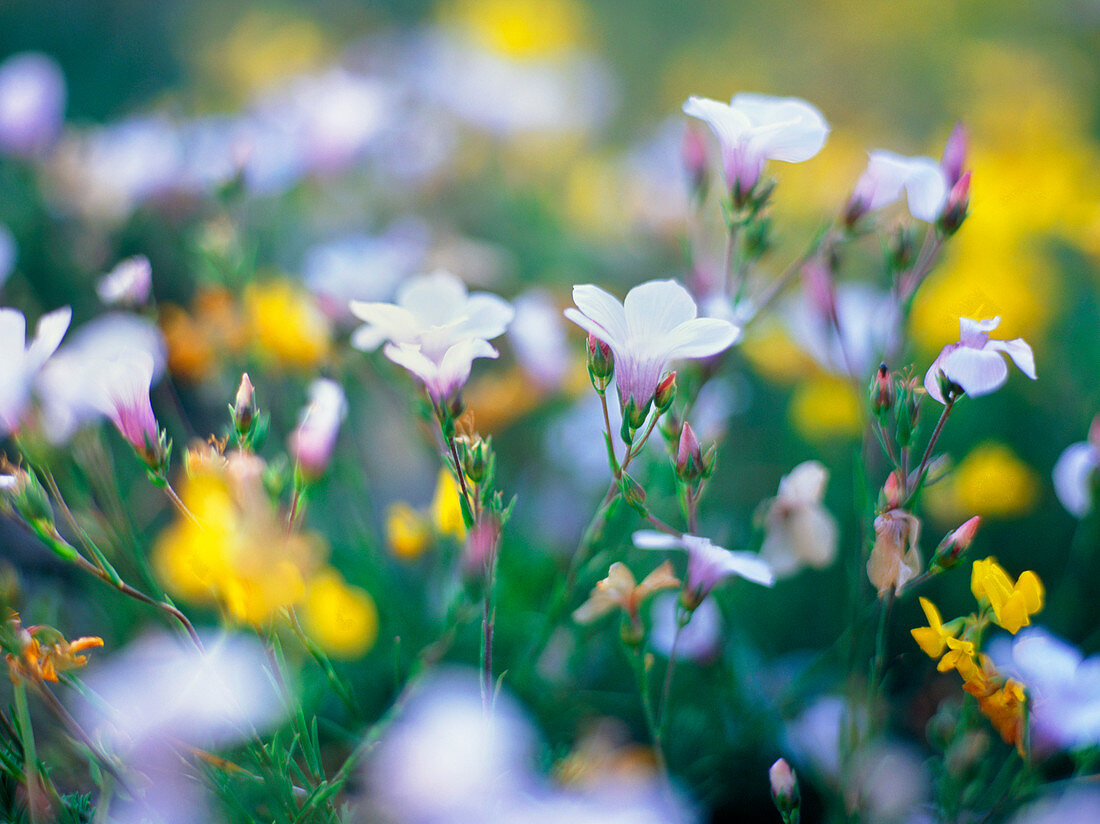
(13, 335)
(657, 307)
(1019, 351)
(455, 367)
(47, 336)
(1072, 476)
(980, 329)
(750, 566)
(931, 377)
(604, 309)
(926, 189)
(786, 128)
(729, 125)
(977, 371)
(410, 357)
(367, 338)
(650, 539)
(435, 299)
(392, 322)
(487, 316)
(805, 484)
(921, 177)
(700, 338)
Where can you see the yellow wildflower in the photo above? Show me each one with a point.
(960, 655)
(286, 323)
(1013, 603)
(408, 533)
(520, 29)
(1002, 700)
(341, 618)
(446, 507)
(932, 638)
(825, 407)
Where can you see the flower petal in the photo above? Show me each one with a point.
(785, 128)
(728, 124)
(1072, 475)
(47, 336)
(977, 371)
(1019, 351)
(931, 377)
(435, 299)
(651, 539)
(487, 316)
(657, 307)
(604, 309)
(700, 338)
(749, 566)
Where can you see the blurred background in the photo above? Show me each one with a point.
(276, 160)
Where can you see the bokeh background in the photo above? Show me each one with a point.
(274, 160)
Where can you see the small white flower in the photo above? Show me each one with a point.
(888, 175)
(1073, 476)
(312, 441)
(800, 531)
(20, 361)
(708, 564)
(442, 378)
(656, 324)
(975, 362)
(755, 128)
(128, 284)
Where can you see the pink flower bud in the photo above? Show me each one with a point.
(964, 535)
(882, 390)
(954, 154)
(689, 456)
(244, 405)
(784, 784)
(666, 392)
(312, 441)
(892, 491)
(956, 206)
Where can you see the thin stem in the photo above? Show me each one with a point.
(662, 526)
(670, 670)
(30, 756)
(295, 500)
(947, 407)
(178, 502)
(878, 662)
(638, 665)
(615, 469)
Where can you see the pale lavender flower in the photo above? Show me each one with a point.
(22, 361)
(1063, 688)
(755, 128)
(656, 324)
(445, 377)
(799, 531)
(708, 564)
(868, 321)
(312, 441)
(9, 252)
(1075, 473)
(122, 394)
(1080, 804)
(32, 103)
(888, 175)
(700, 639)
(975, 363)
(67, 385)
(538, 339)
(128, 284)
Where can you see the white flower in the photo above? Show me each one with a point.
(442, 378)
(20, 361)
(708, 564)
(888, 175)
(32, 103)
(1074, 474)
(128, 284)
(755, 128)
(312, 441)
(656, 324)
(868, 321)
(800, 531)
(700, 638)
(975, 363)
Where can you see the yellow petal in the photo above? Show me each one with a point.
(1031, 588)
(929, 640)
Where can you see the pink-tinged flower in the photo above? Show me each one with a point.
(755, 128)
(442, 379)
(974, 363)
(32, 103)
(1075, 473)
(799, 531)
(22, 361)
(312, 441)
(128, 284)
(708, 564)
(954, 154)
(122, 394)
(433, 312)
(656, 324)
(888, 175)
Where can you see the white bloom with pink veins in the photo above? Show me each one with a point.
(656, 324)
(20, 361)
(888, 175)
(708, 564)
(975, 363)
(312, 441)
(122, 394)
(755, 128)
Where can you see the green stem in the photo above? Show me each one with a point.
(30, 756)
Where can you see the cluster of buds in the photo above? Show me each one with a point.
(907, 409)
(635, 414)
(476, 456)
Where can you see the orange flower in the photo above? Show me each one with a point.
(43, 661)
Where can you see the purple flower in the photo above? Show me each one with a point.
(975, 363)
(656, 324)
(32, 103)
(708, 564)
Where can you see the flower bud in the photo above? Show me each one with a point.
(891, 491)
(954, 544)
(601, 363)
(902, 248)
(633, 418)
(882, 391)
(693, 153)
(244, 406)
(476, 454)
(785, 792)
(480, 550)
(955, 209)
(633, 493)
(907, 411)
(954, 154)
(689, 456)
(665, 394)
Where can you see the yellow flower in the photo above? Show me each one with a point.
(408, 533)
(446, 506)
(287, 325)
(990, 481)
(521, 29)
(1013, 603)
(44, 652)
(932, 638)
(960, 656)
(341, 618)
(1002, 700)
(826, 407)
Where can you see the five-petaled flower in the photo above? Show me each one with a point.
(708, 564)
(656, 324)
(755, 128)
(975, 364)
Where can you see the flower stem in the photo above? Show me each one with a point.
(30, 756)
(670, 670)
(947, 407)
